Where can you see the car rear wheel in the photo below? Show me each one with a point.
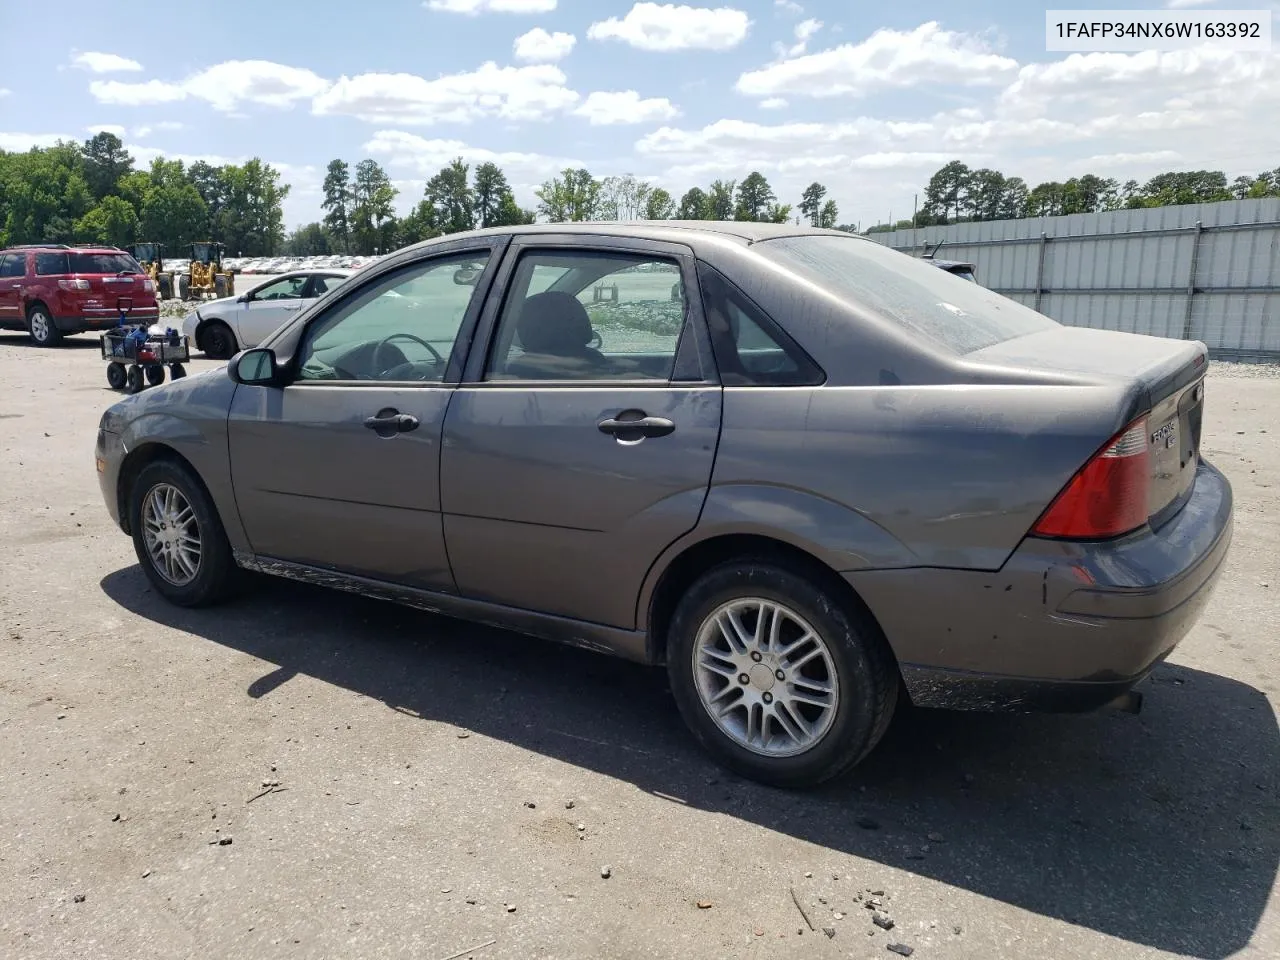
(218, 342)
(178, 536)
(44, 332)
(779, 678)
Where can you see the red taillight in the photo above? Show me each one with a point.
(73, 284)
(1108, 497)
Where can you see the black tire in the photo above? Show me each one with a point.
(164, 286)
(217, 341)
(864, 667)
(177, 371)
(117, 375)
(184, 287)
(134, 381)
(44, 332)
(220, 285)
(216, 572)
(155, 375)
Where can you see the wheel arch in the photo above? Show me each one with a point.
(137, 460)
(203, 327)
(664, 590)
(32, 304)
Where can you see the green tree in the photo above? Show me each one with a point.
(623, 198)
(251, 223)
(337, 203)
(829, 215)
(372, 196)
(811, 202)
(449, 192)
(572, 196)
(945, 190)
(490, 189)
(694, 205)
(982, 194)
(112, 222)
(510, 213)
(720, 200)
(755, 198)
(1013, 201)
(45, 193)
(105, 162)
(659, 206)
(175, 215)
(309, 240)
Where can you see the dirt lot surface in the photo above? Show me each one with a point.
(443, 787)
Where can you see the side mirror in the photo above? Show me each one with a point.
(254, 368)
(243, 298)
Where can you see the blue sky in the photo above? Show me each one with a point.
(869, 99)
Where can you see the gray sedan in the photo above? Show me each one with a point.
(808, 474)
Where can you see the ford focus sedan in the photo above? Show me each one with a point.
(806, 473)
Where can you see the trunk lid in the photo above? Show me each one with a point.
(1164, 380)
(112, 278)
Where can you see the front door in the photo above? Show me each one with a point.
(580, 444)
(269, 307)
(340, 468)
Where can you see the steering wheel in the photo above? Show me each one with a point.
(377, 351)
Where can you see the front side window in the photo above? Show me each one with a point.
(589, 315)
(290, 288)
(323, 285)
(401, 328)
(51, 264)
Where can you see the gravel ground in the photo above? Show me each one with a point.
(437, 787)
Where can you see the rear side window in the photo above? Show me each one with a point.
(959, 315)
(51, 264)
(13, 265)
(108, 263)
(751, 350)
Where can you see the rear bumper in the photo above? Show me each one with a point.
(104, 319)
(1063, 626)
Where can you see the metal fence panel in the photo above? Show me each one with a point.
(1206, 271)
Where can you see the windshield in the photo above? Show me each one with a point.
(111, 263)
(961, 315)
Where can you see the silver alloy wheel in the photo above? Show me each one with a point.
(40, 326)
(766, 677)
(171, 534)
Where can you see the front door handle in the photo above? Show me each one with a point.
(636, 429)
(390, 422)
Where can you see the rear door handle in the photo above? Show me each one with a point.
(633, 431)
(389, 422)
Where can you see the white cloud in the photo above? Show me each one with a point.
(665, 27)
(804, 31)
(169, 125)
(148, 93)
(625, 106)
(225, 86)
(927, 55)
(538, 46)
(1184, 4)
(22, 142)
(896, 161)
(419, 158)
(105, 63)
(473, 7)
(5, 92)
(115, 128)
(511, 93)
(141, 132)
(773, 103)
(788, 6)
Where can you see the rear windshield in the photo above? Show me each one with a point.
(110, 263)
(960, 315)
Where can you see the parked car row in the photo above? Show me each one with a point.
(288, 264)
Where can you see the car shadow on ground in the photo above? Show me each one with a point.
(1161, 829)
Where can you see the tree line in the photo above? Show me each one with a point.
(957, 194)
(359, 213)
(91, 192)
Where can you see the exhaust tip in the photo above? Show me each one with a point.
(1128, 702)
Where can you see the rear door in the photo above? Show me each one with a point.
(269, 307)
(581, 442)
(13, 269)
(339, 468)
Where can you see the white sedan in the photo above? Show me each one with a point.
(221, 328)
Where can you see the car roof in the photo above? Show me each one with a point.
(59, 248)
(672, 231)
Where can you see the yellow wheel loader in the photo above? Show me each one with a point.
(205, 275)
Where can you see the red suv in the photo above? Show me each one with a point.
(51, 289)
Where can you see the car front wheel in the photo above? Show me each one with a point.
(779, 678)
(218, 341)
(178, 537)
